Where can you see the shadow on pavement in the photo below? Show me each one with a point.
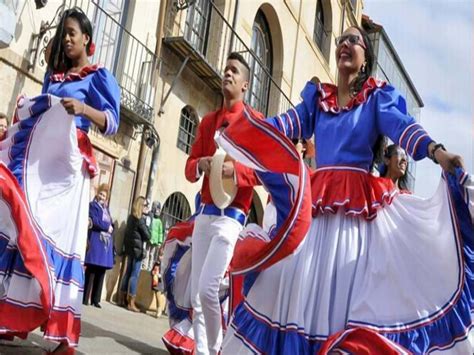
(92, 331)
(35, 344)
(10, 348)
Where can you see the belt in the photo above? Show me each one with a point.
(230, 212)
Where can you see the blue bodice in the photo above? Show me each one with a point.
(346, 136)
(94, 86)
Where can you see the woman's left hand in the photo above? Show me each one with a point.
(73, 106)
(449, 161)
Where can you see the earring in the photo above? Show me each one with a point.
(362, 68)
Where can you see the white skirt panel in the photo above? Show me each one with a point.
(398, 272)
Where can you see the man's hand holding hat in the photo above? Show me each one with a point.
(204, 165)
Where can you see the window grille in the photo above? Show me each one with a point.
(259, 90)
(354, 5)
(319, 34)
(197, 24)
(175, 209)
(187, 129)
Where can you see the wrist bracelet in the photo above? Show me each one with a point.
(435, 148)
(83, 109)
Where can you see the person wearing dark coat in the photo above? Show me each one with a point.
(136, 234)
(100, 247)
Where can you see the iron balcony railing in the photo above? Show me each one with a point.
(203, 28)
(130, 61)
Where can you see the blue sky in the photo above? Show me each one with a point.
(434, 39)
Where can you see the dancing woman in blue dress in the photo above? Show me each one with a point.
(44, 284)
(395, 265)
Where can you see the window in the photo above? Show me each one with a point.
(187, 129)
(108, 19)
(319, 35)
(354, 5)
(197, 24)
(258, 93)
(175, 209)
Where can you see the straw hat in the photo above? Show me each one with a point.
(223, 190)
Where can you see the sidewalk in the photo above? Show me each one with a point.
(110, 330)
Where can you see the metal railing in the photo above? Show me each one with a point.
(129, 60)
(216, 41)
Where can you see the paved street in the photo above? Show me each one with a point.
(110, 330)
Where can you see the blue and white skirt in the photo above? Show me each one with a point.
(408, 274)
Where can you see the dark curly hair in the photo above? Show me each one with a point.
(356, 86)
(390, 151)
(365, 72)
(58, 61)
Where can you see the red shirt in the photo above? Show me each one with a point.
(204, 146)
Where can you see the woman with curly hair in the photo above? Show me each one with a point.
(370, 270)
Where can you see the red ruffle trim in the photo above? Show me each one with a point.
(60, 326)
(177, 343)
(355, 191)
(61, 76)
(180, 231)
(63, 326)
(360, 341)
(85, 147)
(328, 95)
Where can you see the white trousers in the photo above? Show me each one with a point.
(213, 241)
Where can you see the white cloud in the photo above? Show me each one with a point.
(434, 40)
(456, 132)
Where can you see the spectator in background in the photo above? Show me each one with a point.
(3, 126)
(100, 247)
(156, 225)
(136, 234)
(148, 215)
(148, 258)
(157, 284)
(156, 240)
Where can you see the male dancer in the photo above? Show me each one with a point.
(215, 230)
